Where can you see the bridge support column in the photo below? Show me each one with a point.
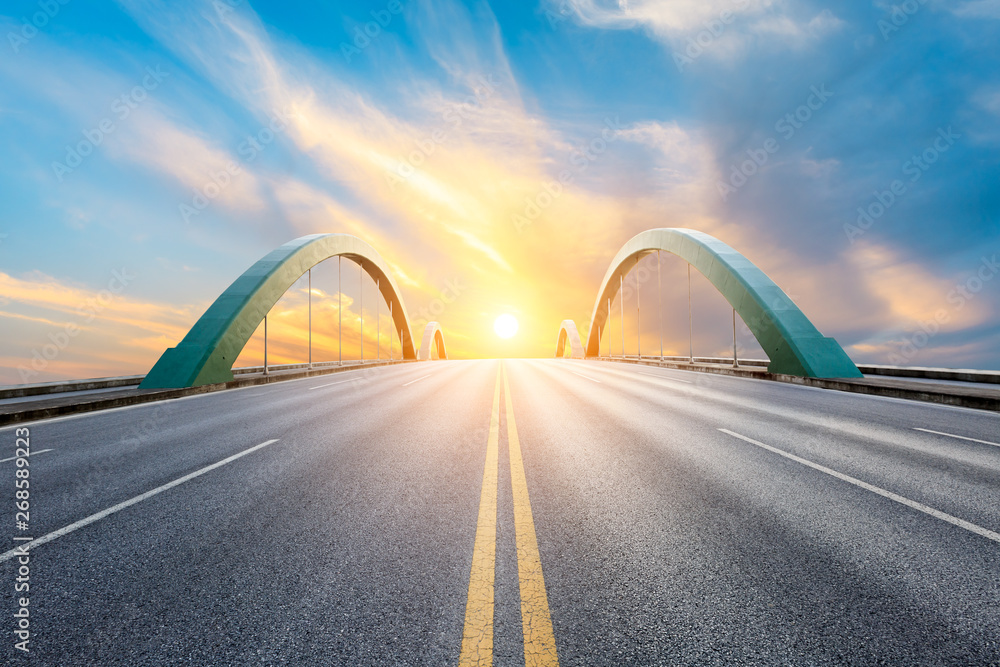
(378, 327)
(736, 359)
(265, 345)
(638, 319)
(621, 309)
(340, 314)
(361, 307)
(310, 319)
(659, 299)
(690, 320)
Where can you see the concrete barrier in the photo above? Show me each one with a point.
(17, 413)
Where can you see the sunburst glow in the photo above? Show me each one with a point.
(505, 326)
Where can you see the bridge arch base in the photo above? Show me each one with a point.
(793, 344)
(208, 351)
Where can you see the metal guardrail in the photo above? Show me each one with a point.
(913, 372)
(123, 382)
(916, 372)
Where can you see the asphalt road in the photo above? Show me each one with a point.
(817, 528)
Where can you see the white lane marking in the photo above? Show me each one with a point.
(331, 384)
(40, 451)
(920, 507)
(128, 503)
(418, 379)
(586, 376)
(664, 377)
(960, 437)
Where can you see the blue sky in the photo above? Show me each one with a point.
(898, 108)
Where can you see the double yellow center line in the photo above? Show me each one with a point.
(477, 638)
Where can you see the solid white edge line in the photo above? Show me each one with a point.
(959, 437)
(586, 376)
(417, 380)
(664, 377)
(40, 451)
(30, 546)
(920, 507)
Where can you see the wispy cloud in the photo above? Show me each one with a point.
(497, 167)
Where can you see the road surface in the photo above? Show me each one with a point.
(351, 519)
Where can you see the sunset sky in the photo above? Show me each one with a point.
(153, 150)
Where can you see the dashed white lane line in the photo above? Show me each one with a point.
(26, 547)
(920, 507)
(331, 384)
(40, 451)
(586, 376)
(664, 377)
(99, 413)
(959, 437)
(407, 384)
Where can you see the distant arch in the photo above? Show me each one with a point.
(208, 351)
(793, 344)
(568, 332)
(433, 338)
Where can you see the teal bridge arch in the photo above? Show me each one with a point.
(208, 351)
(792, 343)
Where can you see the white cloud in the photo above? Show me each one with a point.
(151, 140)
(722, 28)
(988, 99)
(797, 34)
(682, 160)
(663, 17)
(975, 9)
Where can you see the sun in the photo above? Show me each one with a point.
(505, 326)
